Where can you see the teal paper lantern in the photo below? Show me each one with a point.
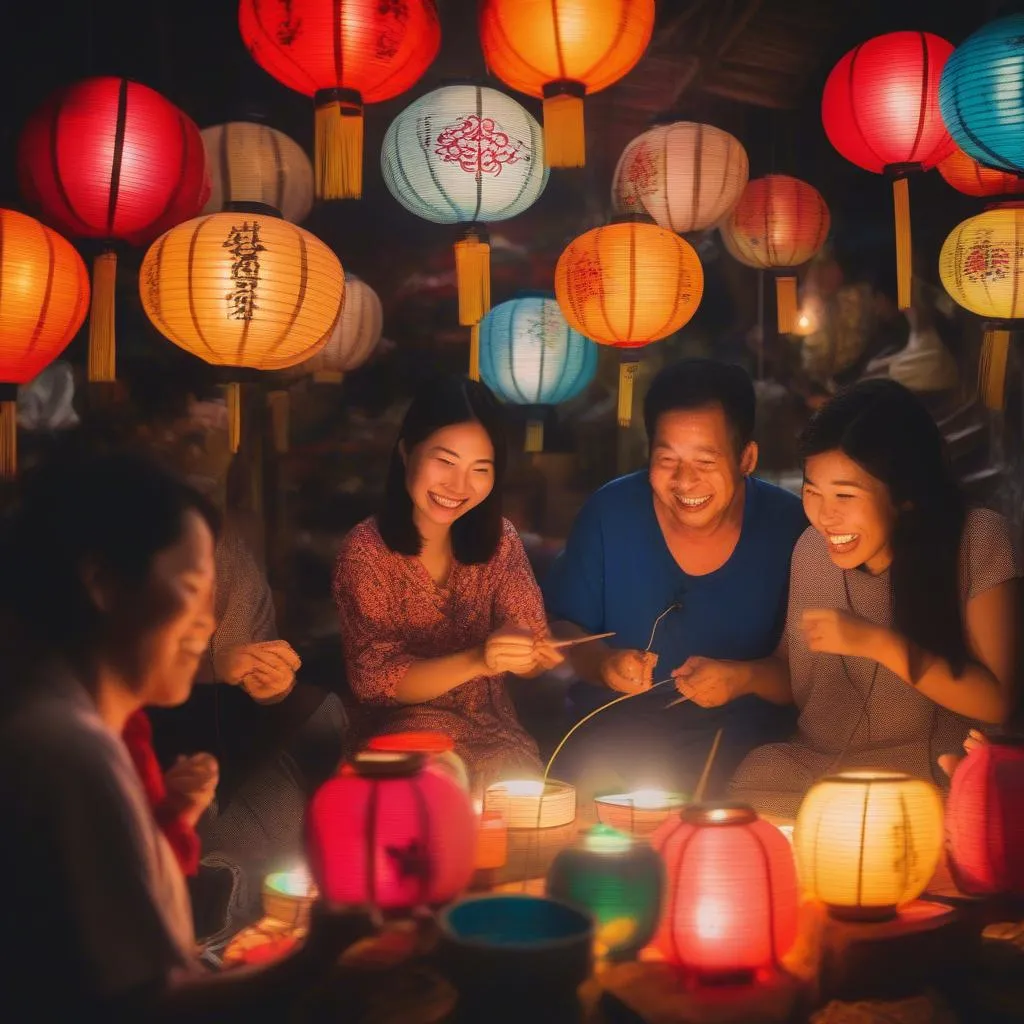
(620, 881)
(981, 94)
(530, 356)
(466, 154)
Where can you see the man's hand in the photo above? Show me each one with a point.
(191, 783)
(707, 682)
(266, 671)
(629, 671)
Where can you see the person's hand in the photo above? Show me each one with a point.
(707, 682)
(830, 631)
(546, 657)
(191, 783)
(629, 671)
(510, 649)
(266, 671)
(948, 762)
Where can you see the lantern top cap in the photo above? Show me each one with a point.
(862, 775)
(386, 764)
(412, 742)
(725, 813)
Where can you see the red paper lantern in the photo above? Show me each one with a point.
(343, 53)
(985, 819)
(385, 832)
(881, 111)
(112, 160)
(966, 175)
(731, 899)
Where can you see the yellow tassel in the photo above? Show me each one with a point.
(534, 436)
(565, 141)
(785, 302)
(233, 397)
(474, 352)
(9, 438)
(627, 374)
(327, 377)
(995, 348)
(338, 157)
(904, 267)
(280, 408)
(101, 318)
(473, 275)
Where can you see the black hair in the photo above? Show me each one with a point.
(116, 506)
(886, 430)
(443, 402)
(698, 383)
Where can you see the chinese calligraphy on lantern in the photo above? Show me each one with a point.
(394, 15)
(587, 281)
(290, 24)
(478, 146)
(548, 328)
(985, 262)
(245, 248)
(640, 176)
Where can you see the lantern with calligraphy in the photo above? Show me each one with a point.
(242, 290)
(880, 109)
(779, 223)
(254, 164)
(868, 842)
(465, 154)
(530, 356)
(686, 176)
(44, 296)
(966, 175)
(111, 160)
(384, 832)
(562, 52)
(342, 53)
(625, 285)
(731, 897)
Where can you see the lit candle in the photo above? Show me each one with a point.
(528, 803)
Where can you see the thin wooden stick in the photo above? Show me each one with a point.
(559, 645)
(702, 784)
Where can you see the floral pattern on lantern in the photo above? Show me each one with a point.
(966, 175)
(686, 176)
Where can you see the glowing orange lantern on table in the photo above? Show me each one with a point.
(343, 53)
(562, 52)
(779, 222)
(966, 175)
(44, 296)
(881, 111)
(626, 285)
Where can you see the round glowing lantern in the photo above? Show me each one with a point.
(242, 290)
(562, 52)
(779, 222)
(980, 95)
(618, 881)
(343, 53)
(880, 109)
(465, 154)
(868, 842)
(384, 832)
(253, 163)
(437, 747)
(731, 897)
(44, 296)
(628, 284)
(985, 819)
(966, 175)
(111, 160)
(639, 812)
(530, 356)
(686, 176)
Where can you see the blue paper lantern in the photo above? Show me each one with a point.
(981, 94)
(466, 154)
(529, 355)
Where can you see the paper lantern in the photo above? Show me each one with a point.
(562, 52)
(626, 285)
(985, 819)
(437, 748)
(529, 803)
(255, 164)
(640, 812)
(44, 295)
(868, 842)
(530, 356)
(465, 154)
(966, 175)
(686, 176)
(980, 96)
(779, 222)
(389, 834)
(880, 109)
(617, 880)
(731, 896)
(343, 53)
(111, 160)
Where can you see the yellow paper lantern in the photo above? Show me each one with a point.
(868, 842)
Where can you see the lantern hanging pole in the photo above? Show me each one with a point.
(995, 350)
(8, 431)
(904, 243)
(102, 319)
(474, 352)
(786, 302)
(233, 398)
(627, 375)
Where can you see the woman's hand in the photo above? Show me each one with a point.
(546, 656)
(948, 762)
(830, 631)
(510, 649)
(709, 683)
(191, 783)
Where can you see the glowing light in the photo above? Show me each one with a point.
(602, 839)
(523, 787)
(296, 882)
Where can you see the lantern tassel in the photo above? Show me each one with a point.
(8, 431)
(786, 303)
(473, 274)
(565, 140)
(474, 352)
(534, 436)
(338, 157)
(233, 397)
(627, 374)
(101, 318)
(328, 376)
(279, 403)
(904, 264)
(995, 349)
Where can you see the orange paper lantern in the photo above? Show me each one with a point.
(966, 175)
(561, 52)
(779, 222)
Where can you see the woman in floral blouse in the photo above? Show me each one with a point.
(436, 597)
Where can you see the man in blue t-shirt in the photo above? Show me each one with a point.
(686, 560)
